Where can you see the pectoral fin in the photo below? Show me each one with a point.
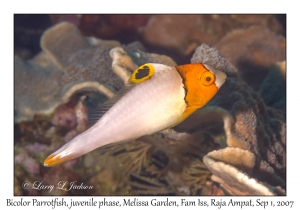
(95, 113)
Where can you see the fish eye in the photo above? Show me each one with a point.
(207, 78)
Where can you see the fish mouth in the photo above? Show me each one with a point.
(219, 75)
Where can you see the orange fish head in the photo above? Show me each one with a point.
(201, 83)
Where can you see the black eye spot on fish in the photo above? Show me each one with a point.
(208, 79)
(142, 72)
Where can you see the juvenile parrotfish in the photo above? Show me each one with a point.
(158, 97)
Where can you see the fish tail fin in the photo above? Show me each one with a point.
(56, 159)
(65, 153)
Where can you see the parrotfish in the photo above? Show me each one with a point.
(157, 97)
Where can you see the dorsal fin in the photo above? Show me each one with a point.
(95, 113)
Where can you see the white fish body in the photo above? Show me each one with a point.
(162, 97)
(148, 107)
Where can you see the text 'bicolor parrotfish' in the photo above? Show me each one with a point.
(158, 97)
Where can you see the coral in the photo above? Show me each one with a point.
(184, 33)
(28, 163)
(132, 156)
(67, 64)
(105, 25)
(146, 185)
(108, 182)
(248, 123)
(196, 173)
(31, 97)
(64, 116)
(231, 167)
(252, 51)
(161, 30)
